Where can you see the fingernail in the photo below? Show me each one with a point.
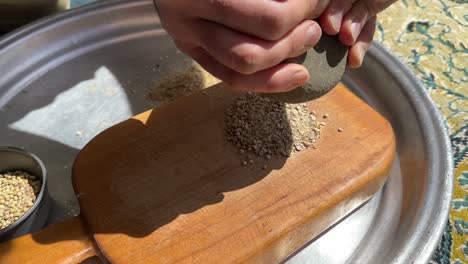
(335, 21)
(359, 56)
(355, 31)
(312, 35)
(299, 78)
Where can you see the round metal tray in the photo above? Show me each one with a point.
(66, 78)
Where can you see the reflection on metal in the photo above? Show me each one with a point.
(350, 234)
(85, 104)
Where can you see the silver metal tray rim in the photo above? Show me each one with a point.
(441, 163)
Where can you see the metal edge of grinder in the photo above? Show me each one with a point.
(326, 63)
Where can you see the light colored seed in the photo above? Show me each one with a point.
(251, 161)
(340, 129)
(265, 167)
(17, 194)
(244, 163)
(298, 147)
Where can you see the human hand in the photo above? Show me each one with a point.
(354, 22)
(244, 42)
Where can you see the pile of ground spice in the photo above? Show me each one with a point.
(305, 128)
(266, 127)
(254, 123)
(179, 84)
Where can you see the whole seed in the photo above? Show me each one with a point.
(18, 191)
(298, 146)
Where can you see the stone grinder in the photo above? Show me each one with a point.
(326, 63)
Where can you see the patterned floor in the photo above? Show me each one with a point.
(431, 36)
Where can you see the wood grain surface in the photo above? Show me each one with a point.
(65, 243)
(166, 187)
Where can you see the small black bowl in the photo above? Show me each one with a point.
(17, 159)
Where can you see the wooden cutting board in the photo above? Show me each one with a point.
(165, 186)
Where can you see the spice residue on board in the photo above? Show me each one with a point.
(181, 83)
(266, 127)
(18, 191)
(258, 126)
